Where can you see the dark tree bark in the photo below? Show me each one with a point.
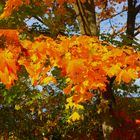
(108, 120)
(133, 10)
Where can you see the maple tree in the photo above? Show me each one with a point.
(85, 62)
(88, 64)
(71, 55)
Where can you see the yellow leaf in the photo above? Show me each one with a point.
(132, 73)
(69, 99)
(73, 105)
(17, 107)
(86, 83)
(114, 70)
(75, 116)
(68, 55)
(47, 80)
(70, 103)
(126, 76)
(79, 107)
(34, 58)
(106, 56)
(74, 65)
(68, 80)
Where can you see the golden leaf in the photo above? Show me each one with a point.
(75, 116)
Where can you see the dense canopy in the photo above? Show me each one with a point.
(63, 75)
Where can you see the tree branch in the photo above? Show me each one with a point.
(138, 30)
(112, 26)
(137, 27)
(137, 10)
(39, 19)
(113, 15)
(135, 2)
(136, 33)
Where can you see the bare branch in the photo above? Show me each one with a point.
(40, 20)
(114, 32)
(137, 33)
(137, 10)
(113, 15)
(135, 2)
(138, 30)
(137, 27)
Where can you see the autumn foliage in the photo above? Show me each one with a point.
(86, 62)
(90, 66)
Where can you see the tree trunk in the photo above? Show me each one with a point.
(86, 17)
(131, 17)
(108, 121)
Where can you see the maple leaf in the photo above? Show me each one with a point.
(8, 67)
(9, 56)
(11, 36)
(75, 116)
(12, 5)
(74, 69)
(113, 70)
(126, 75)
(67, 90)
(47, 80)
(73, 105)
